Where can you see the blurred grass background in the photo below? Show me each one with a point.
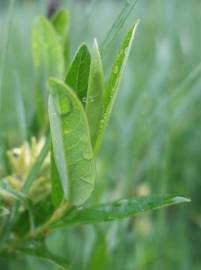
(152, 145)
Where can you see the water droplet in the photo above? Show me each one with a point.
(91, 99)
(102, 123)
(63, 105)
(84, 99)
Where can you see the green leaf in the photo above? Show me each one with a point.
(78, 73)
(39, 249)
(48, 61)
(46, 48)
(60, 23)
(114, 82)
(42, 211)
(94, 104)
(71, 143)
(57, 191)
(116, 210)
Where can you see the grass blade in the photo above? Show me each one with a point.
(118, 24)
(5, 51)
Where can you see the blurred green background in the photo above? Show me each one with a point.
(153, 142)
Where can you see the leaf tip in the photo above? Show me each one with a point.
(181, 199)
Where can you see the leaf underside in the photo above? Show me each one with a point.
(71, 143)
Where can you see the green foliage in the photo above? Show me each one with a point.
(79, 108)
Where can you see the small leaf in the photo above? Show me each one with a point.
(71, 143)
(114, 82)
(78, 73)
(60, 23)
(94, 105)
(42, 211)
(39, 249)
(116, 210)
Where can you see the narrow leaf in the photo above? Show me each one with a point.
(78, 73)
(116, 210)
(94, 104)
(71, 143)
(114, 82)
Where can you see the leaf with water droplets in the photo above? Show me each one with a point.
(71, 143)
(94, 105)
(78, 73)
(116, 210)
(114, 82)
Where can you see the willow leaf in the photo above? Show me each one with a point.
(116, 210)
(94, 105)
(71, 143)
(114, 82)
(78, 73)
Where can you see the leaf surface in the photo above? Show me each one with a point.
(94, 104)
(57, 191)
(78, 73)
(116, 210)
(114, 82)
(71, 143)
